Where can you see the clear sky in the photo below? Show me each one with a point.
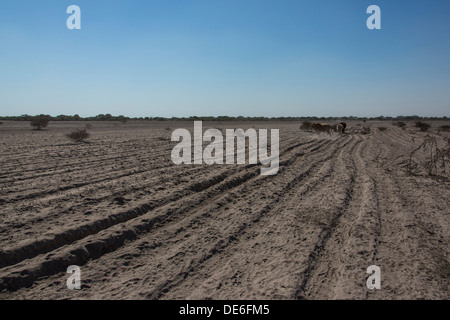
(225, 57)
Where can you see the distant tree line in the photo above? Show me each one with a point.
(124, 119)
(62, 117)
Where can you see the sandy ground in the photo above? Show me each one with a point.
(141, 227)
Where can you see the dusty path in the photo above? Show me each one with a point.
(142, 228)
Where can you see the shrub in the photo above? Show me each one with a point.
(382, 128)
(306, 125)
(399, 124)
(79, 135)
(39, 122)
(1, 123)
(423, 126)
(444, 128)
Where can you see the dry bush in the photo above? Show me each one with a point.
(306, 125)
(445, 127)
(88, 126)
(423, 126)
(39, 122)
(1, 123)
(433, 158)
(382, 128)
(399, 124)
(79, 135)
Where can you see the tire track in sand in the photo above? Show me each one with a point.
(339, 271)
(314, 264)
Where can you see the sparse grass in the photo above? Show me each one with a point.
(423, 126)
(79, 135)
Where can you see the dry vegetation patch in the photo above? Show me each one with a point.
(423, 126)
(432, 155)
(306, 126)
(78, 136)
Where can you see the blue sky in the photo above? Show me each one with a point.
(225, 57)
